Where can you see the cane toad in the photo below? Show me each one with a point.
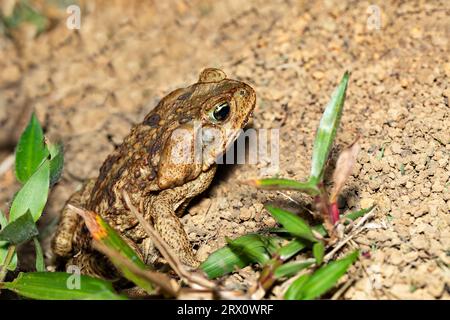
(162, 164)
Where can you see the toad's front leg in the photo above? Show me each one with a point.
(165, 208)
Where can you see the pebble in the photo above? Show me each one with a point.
(246, 213)
(366, 203)
(396, 258)
(420, 242)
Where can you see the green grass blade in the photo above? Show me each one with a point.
(294, 292)
(30, 151)
(25, 13)
(20, 230)
(3, 224)
(56, 162)
(285, 184)
(291, 268)
(327, 130)
(243, 251)
(294, 224)
(291, 249)
(60, 286)
(326, 277)
(318, 252)
(33, 195)
(40, 265)
(357, 214)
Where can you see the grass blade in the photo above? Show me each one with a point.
(59, 286)
(357, 214)
(285, 184)
(25, 13)
(56, 162)
(291, 268)
(318, 252)
(327, 130)
(227, 259)
(291, 249)
(294, 290)
(326, 277)
(40, 265)
(30, 151)
(294, 224)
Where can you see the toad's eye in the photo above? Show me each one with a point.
(220, 112)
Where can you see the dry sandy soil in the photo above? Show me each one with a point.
(89, 86)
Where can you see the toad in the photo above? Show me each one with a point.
(162, 164)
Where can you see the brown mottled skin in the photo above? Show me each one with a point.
(146, 167)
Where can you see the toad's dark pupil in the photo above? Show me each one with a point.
(222, 111)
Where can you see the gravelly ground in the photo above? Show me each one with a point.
(89, 87)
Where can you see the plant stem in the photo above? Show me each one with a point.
(325, 209)
(267, 278)
(9, 256)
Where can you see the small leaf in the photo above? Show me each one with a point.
(295, 289)
(40, 265)
(291, 249)
(344, 168)
(20, 230)
(294, 224)
(25, 13)
(327, 130)
(56, 162)
(320, 229)
(30, 151)
(357, 214)
(3, 253)
(225, 260)
(250, 250)
(285, 184)
(33, 194)
(291, 268)
(3, 224)
(57, 286)
(318, 252)
(326, 277)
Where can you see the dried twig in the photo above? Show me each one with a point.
(342, 289)
(167, 252)
(354, 231)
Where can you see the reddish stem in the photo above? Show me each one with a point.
(334, 212)
(326, 210)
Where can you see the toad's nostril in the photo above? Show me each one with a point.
(242, 93)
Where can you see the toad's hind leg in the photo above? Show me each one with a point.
(63, 241)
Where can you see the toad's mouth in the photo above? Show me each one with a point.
(215, 148)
